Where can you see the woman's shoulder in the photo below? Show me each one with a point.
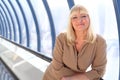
(100, 38)
(61, 38)
(62, 35)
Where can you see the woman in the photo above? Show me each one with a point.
(77, 49)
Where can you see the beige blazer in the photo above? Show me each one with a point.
(67, 61)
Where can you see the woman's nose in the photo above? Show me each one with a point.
(80, 20)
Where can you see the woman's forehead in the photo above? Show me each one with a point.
(79, 12)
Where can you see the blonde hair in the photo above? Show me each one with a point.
(91, 36)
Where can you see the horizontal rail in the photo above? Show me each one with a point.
(38, 54)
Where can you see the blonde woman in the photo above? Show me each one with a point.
(77, 49)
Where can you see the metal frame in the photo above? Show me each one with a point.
(117, 10)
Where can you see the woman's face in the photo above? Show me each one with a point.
(80, 21)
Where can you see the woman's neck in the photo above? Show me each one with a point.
(80, 35)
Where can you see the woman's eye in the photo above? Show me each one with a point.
(74, 17)
(84, 16)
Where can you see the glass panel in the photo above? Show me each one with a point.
(31, 25)
(44, 26)
(22, 25)
(59, 14)
(14, 20)
(8, 15)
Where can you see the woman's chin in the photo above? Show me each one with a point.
(82, 29)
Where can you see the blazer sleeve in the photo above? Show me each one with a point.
(57, 62)
(99, 62)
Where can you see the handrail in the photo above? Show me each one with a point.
(8, 69)
(38, 54)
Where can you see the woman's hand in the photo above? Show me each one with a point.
(66, 78)
(76, 77)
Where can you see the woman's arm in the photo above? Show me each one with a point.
(57, 62)
(77, 76)
(99, 62)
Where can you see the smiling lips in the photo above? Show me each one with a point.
(81, 24)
